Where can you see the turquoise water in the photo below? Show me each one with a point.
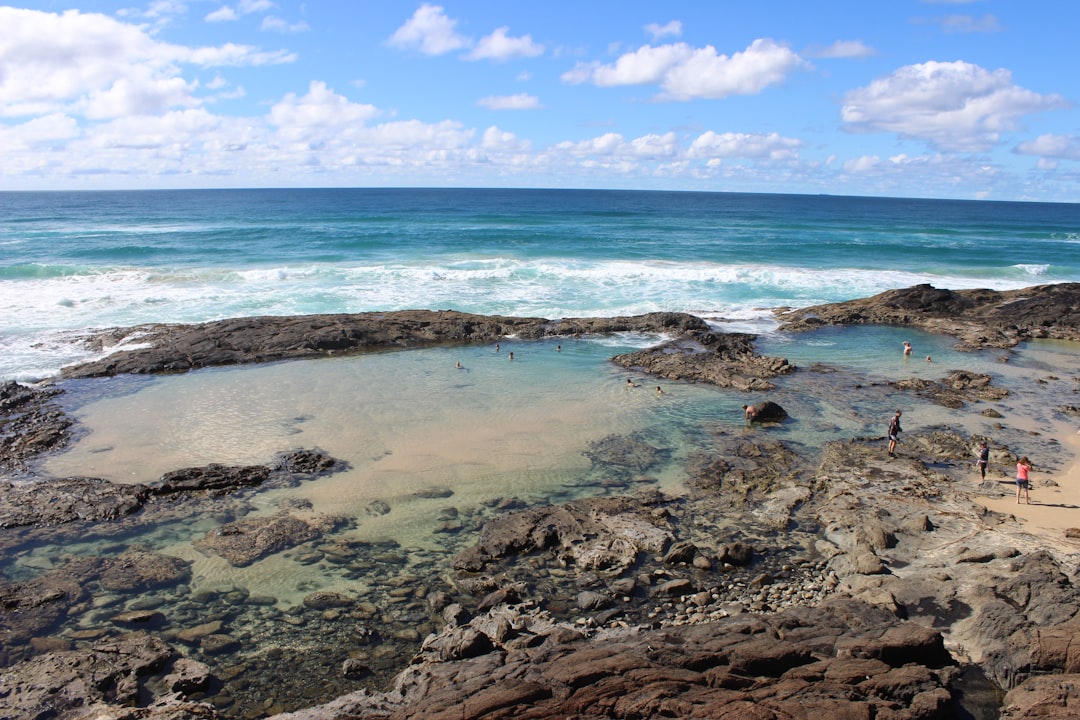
(72, 261)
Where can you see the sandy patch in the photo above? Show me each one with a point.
(1055, 498)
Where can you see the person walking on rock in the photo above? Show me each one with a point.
(984, 458)
(894, 433)
(1023, 467)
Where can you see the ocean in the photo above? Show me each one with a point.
(430, 450)
(70, 261)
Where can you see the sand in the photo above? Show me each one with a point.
(1055, 497)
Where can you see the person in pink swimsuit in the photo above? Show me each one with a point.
(1023, 467)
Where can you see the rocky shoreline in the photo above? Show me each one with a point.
(785, 583)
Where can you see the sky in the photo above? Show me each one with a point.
(970, 99)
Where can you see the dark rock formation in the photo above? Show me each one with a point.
(245, 541)
(63, 500)
(213, 478)
(179, 348)
(768, 412)
(30, 423)
(595, 533)
(979, 318)
(843, 659)
(36, 607)
(722, 359)
(93, 681)
(953, 390)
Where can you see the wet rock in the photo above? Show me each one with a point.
(213, 478)
(187, 676)
(979, 318)
(768, 412)
(30, 423)
(599, 533)
(306, 462)
(243, 542)
(325, 600)
(723, 359)
(57, 684)
(623, 451)
(172, 348)
(55, 501)
(738, 554)
(954, 390)
(141, 570)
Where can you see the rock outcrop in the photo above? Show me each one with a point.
(726, 360)
(978, 318)
(180, 348)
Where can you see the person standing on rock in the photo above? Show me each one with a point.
(984, 458)
(1023, 467)
(894, 433)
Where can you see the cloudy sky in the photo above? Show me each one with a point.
(958, 99)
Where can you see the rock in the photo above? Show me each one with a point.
(243, 542)
(621, 451)
(171, 348)
(979, 318)
(30, 423)
(66, 500)
(768, 412)
(598, 533)
(57, 684)
(722, 359)
(325, 600)
(187, 676)
(213, 478)
(738, 554)
(306, 462)
(142, 570)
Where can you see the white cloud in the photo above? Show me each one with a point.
(252, 6)
(429, 31)
(842, 49)
(686, 73)
(969, 24)
(952, 105)
(657, 31)
(38, 133)
(275, 24)
(320, 108)
(498, 140)
(244, 7)
(222, 14)
(773, 146)
(500, 46)
(862, 164)
(1052, 147)
(95, 65)
(520, 101)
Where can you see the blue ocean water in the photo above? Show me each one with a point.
(70, 261)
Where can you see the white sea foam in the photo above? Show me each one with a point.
(1031, 269)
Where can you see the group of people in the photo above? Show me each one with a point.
(982, 461)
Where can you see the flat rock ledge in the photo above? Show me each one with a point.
(977, 318)
(173, 348)
(842, 659)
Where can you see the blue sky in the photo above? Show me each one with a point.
(961, 99)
